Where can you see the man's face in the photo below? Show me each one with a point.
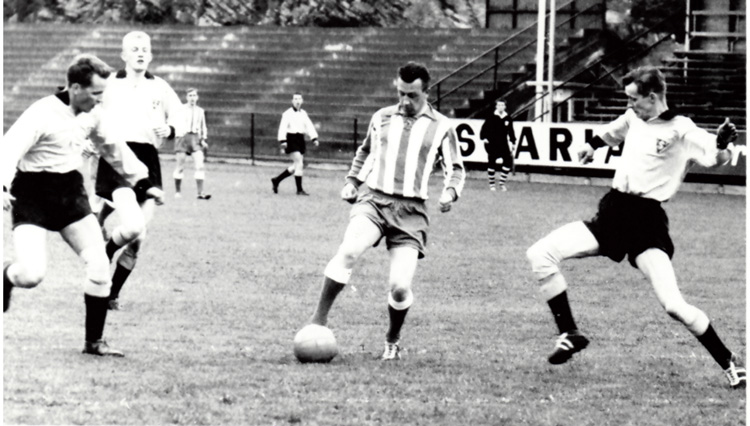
(643, 106)
(136, 54)
(297, 101)
(500, 107)
(84, 99)
(192, 98)
(411, 96)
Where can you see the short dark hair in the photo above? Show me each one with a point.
(83, 68)
(413, 71)
(647, 79)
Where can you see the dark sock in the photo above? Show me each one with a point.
(711, 341)
(96, 316)
(561, 311)
(283, 175)
(298, 181)
(397, 321)
(331, 289)
(178, 185)
(112, 248)
(118, 280)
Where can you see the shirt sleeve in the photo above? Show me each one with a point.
(112, 149)
(511, 132)
(701, 145)
(614, 132)
(174, 110)
(311, 132)
(362, 162)
(204, 126)
(19, 138)
(283, 126)
(453, 165)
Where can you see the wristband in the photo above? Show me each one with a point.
(596, 142)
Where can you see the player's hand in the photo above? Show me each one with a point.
(204, 144)
(283, 147)
(349, 193)
(157, 194)
(315, 142)
(446, 200)
(7, 200)
(586, 154)
(162, 130)
(726, 133)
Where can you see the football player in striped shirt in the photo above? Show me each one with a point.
(145, 111)
(659, 146)
(395, 162)
(41, 154)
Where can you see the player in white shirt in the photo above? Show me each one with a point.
(145, 111)
(41, 154)
(295, 125)
(395, 161)
(659, 146)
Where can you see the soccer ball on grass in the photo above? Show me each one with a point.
(315, 343)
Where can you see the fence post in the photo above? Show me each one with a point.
(438, 96)
(494, 76)
(355, 136)
(252, 138)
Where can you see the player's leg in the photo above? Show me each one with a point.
(298, 164)
(400, 296)
(179, 172)
(289, 171)
(132, 223)
(505, 169)
(573, 240)
(361, 234)
(83, 236)
(657, 267)
(127, 260)
(30, 264)
(491, 173)
(200, 174)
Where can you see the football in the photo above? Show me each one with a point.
(315, 343)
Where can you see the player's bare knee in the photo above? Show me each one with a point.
(400, 298)
(28, 276)
(97, 265)
(132, 228)
(678, 310)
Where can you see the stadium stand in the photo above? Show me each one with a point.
(344, 73)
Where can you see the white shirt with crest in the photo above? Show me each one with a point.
(657, 153)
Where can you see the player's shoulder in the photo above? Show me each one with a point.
(387, 111)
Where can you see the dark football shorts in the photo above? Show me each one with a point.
(402, 221)
(49, 200)
(295, 142)
(188, 144)
(108, 180)
(627, 224)
(493, 154)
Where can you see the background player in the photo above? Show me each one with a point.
(496, 132)
(659, 145)
(395, 161)
(145, 111)
(193, 143)
(295, 124)
(41, 154)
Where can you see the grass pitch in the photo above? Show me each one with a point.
(222, 286)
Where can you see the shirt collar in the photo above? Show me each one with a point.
(503, 115)
(63, 96)
(124, 73)
(427, 111)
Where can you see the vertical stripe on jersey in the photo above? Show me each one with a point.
(392, 142)
(423, 133)
(438, 137)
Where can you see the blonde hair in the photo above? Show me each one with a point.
(133, 36)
